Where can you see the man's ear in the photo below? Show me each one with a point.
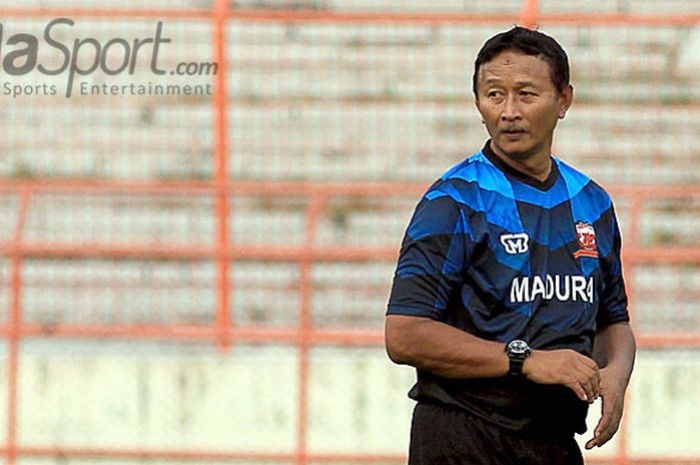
(476, 104)
(566, 98)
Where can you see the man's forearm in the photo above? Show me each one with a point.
(451, 353)
(442, 349)
(615, 349)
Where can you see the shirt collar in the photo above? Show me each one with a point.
(519, 175)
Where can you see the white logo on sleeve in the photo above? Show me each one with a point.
(515, 243)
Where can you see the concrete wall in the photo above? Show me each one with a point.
(167, 396)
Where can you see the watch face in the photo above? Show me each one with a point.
(518, 347)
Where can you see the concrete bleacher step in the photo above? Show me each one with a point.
(347, 221)
(80, 218)
(344, 294)
(435, 71)
(669, 7)
(513, 7)
(117, 4)
(361, 140)
(118, 292)
(408, 6)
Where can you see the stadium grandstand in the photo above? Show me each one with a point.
(195, 262)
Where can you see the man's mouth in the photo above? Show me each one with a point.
(513, 134)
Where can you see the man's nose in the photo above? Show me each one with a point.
(511, 109)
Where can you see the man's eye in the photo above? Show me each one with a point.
(493, 93)
(525, 93)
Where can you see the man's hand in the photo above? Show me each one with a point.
(612, 393)
(566, 367)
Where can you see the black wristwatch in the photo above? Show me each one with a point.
(517, 351)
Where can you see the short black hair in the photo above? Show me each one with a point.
(528, 42)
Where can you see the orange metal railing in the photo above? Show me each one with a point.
(304, 336)
(226, 252)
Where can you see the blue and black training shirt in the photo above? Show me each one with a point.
(503, 256)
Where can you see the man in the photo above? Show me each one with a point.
(508, 296)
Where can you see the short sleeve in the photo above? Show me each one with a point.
(613, 299)
(431, 260)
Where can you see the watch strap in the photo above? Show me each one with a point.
(515, 367)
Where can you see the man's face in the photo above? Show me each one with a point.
(519, 103)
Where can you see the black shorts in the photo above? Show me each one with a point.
(445, 435)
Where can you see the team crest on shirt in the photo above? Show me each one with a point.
(515, 243)
(586, 240)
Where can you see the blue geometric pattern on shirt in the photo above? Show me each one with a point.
(478, 168)
(500, 210)
(453, 266)
(498, 196)
(502, 217)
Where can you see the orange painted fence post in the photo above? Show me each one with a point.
(225, 285)
(15, 323)
(316, 206)
(529, 16)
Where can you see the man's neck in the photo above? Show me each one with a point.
(537, 166)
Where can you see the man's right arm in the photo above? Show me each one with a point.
(435, 250)
(442, 349)
(452, 353)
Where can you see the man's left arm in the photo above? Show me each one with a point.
(614, 352)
